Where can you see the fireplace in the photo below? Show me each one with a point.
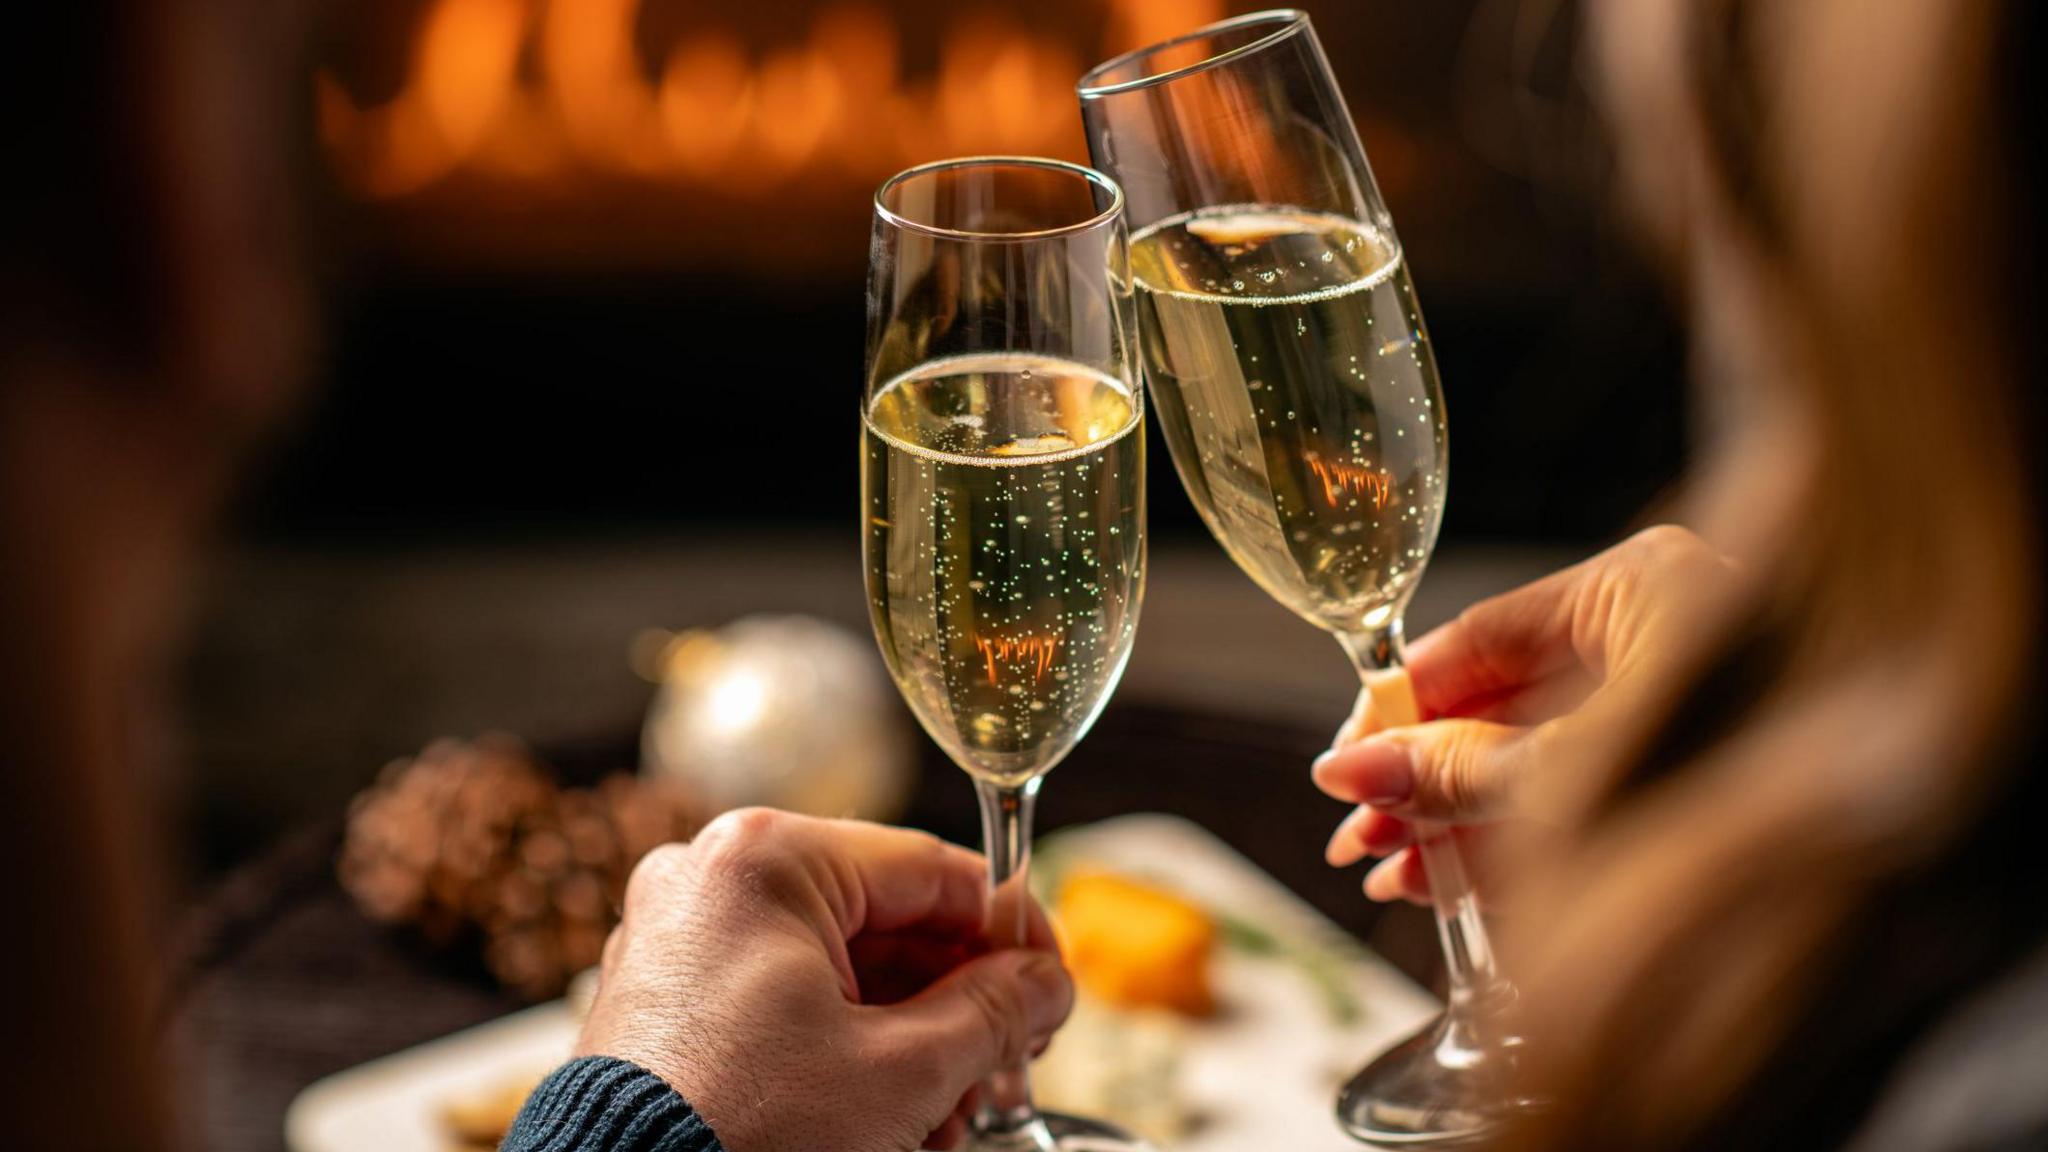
(578, 254)
(548, 133)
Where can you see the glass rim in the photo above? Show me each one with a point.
(1098, 179)
(1290, 21)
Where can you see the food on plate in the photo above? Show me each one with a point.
(1133, 945)
(479, 1118)
(1123, 1065)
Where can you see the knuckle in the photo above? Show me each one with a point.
(740, 827)
(909, 841)
(1458, 784)
(1664, 537)
(739, 836)
(1668, 547)
(658, 870)
(1464, 769)
(1655, 573)
(745, 850)
(931, 856)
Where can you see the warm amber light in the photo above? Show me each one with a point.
(1034, 651)
(712, 109)
(1338, 477)
(462, 73)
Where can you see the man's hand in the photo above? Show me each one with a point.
(810, 984)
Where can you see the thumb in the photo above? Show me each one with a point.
(1457, 771)
(985, 1015)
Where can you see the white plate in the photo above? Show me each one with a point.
(1264, 1074)
(393, 1104)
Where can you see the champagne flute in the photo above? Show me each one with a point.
(1003, 501)
(1294, 381)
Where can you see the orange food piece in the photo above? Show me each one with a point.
(1136, 946)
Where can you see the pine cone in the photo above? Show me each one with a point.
(475, 843)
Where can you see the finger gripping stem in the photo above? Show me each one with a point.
(1468, 953)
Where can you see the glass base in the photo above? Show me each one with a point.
(1439, 1088)
(1059, 1133)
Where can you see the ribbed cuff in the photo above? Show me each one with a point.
(599, 1104)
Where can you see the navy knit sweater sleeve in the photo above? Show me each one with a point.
(598, 1104)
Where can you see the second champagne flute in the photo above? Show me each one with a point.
(1003, 502)
(1293, 379)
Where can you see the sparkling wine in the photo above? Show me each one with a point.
(1295, 385)
(1005, 550)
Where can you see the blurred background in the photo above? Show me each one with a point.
(428, 482)
(589, 282)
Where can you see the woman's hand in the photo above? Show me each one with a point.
(811, 984)
(1524, 682)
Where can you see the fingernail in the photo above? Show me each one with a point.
(1383, 882)
(1384, 773)
(1048, 993)
(1346, 847)
(1321, 771)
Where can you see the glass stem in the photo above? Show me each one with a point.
(1006, 1119)
(1379, 655)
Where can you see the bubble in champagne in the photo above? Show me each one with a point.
(1277, 436)
(1003, 649)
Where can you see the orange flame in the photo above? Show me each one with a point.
(709, 110)
(1037, 651)
(462, 71)
(1338, 477)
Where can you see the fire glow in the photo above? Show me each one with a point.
(537, 90)
(1034, 651)
(1338, 478)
